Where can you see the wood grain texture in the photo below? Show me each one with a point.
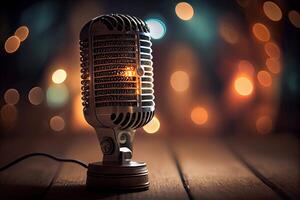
(212, 172)
(276, 157)
(29, 178)
(164, 180)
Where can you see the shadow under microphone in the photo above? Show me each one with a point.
(117, 96)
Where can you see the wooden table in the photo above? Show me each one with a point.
(179, 168)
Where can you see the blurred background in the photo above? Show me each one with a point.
(220, 68)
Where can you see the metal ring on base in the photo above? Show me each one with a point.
(131, 176)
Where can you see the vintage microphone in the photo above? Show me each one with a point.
(117, 95)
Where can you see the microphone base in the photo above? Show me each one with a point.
(132, 176)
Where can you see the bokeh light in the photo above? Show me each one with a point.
(272, 50)
(22, 33)
(180, 81)
(184, 11)
(57, 95)
(261, 32)
(245, 67)
(57, 123)
(12, 44)
(228, 33)
(153, 126)
(273, 64)
(199, 115)
(11, 96)
(294, 18)
(157, 28)
(272, 11)
(36, 96)
(9, 115)
(264, 78)
(59, 76)
(264, 124)
(243, 86)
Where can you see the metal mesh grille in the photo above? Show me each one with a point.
(85, 77)
(115, 62)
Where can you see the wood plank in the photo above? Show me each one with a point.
(212, 172)
(164, 180)
(29, 178)
(276, 157)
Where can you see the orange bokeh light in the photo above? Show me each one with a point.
(22, 33)
(294, 18)
(261, 32)
(245, 67)
(180, 81)
(153, 126)
(184, 11)
(243, 86)
(272, 50)
(12, 44)
(199, 115)
(273, 65)
(228, 33)
(264, 78)
(272, 11)
(264, 124)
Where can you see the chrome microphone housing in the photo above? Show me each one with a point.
(117, 73)
(117, 95)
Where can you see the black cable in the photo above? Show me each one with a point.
(41, 154)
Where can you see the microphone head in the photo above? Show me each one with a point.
(116, 72)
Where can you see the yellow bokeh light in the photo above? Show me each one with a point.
(261, 32)
(180, 81)
(12, 44)
(22, 33)
(199, 115)
(264, 78)
(57, 123)
(272, 50)
(294, 18)
(243, 86)
(273, 65)
(36, 96)
(153, 126)
(59, 76)
(264, 124)
(184, 11)
(272, 11)
(11, 96)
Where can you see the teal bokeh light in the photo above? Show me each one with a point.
(157, 28)
(57, 95)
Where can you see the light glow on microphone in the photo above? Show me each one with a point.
(157, 28)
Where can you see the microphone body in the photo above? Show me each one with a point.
(117, 95)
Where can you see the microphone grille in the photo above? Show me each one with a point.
(121, 70)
